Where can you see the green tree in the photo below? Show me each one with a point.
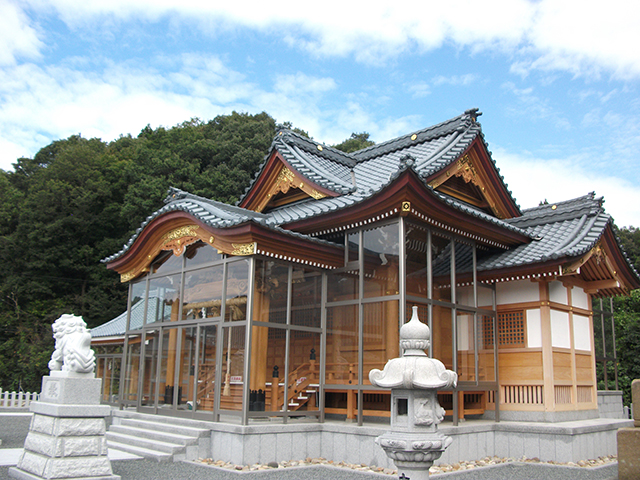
(79, 200)
(356, 142)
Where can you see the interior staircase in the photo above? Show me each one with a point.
(160, 438)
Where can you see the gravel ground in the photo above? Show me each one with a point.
(13, 430)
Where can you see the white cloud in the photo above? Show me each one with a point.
(583, 37)
(533, 180)
(456, 80)
(17, 37)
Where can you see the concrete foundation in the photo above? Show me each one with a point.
(472, 440)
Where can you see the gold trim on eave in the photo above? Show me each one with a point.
(125, 277)
(244, 248)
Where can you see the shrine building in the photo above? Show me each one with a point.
(278, 307)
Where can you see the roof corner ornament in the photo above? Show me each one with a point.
(414, 442)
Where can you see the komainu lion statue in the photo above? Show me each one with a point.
(73, 346)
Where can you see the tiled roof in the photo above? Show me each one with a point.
(118, 325)
(568, 230)
(213, 213)
(328, 167)
(565, 229)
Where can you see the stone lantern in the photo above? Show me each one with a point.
(414, 379)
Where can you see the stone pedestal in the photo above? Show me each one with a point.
(66, 438)
(629, 441)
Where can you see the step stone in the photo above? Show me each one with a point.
(166, 447)
(165, 427)
(151, 434)
(141, 451)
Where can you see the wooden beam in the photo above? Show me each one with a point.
(594, 286)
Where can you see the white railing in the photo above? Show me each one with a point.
(17, 399)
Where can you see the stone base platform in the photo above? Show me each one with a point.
(339, 441)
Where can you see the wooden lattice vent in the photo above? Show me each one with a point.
(511, 329)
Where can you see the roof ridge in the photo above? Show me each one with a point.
(458, 123)
(317, 148)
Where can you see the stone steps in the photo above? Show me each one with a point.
(159, 438)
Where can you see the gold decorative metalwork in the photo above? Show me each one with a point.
(467, 171)
(125, 277)
(316, 194)
(406, 206)
(179, 238)
(414, 136)
(284, 181)
(320, 147)
(244, 248)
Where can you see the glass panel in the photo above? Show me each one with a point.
(268, 346)
(416, 262)
(166, 262)
(100, 373)
(152, 341)
(131, 374)
(166, 377)
(187, 368)
(342, 286)
(270, 296)
(200, 253)
(304, 368)
(342, 345)
(163, 305)
(486, 359)
(464, 294)
(237, 288)
(466, 347)
(441, 335)
(306, 297)
(485, 296)
(441, 265)
(381, 253)
(113, 367)
(207, 368)
(232, 368)
(464, 263)
(354, 246)
(138, 293)
(202, 293)
(380, 340)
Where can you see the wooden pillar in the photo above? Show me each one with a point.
(259, 342)
(392, 340)
(275, 390)
(574, 375)
(352, 409)
(547, 349)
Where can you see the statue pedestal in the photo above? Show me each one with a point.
(66, 437)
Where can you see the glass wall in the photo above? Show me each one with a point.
(237, 338)
(362, 320)
(442, 282)
(175, 351)
(286, 335)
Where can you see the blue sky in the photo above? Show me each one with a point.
(557, 81)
